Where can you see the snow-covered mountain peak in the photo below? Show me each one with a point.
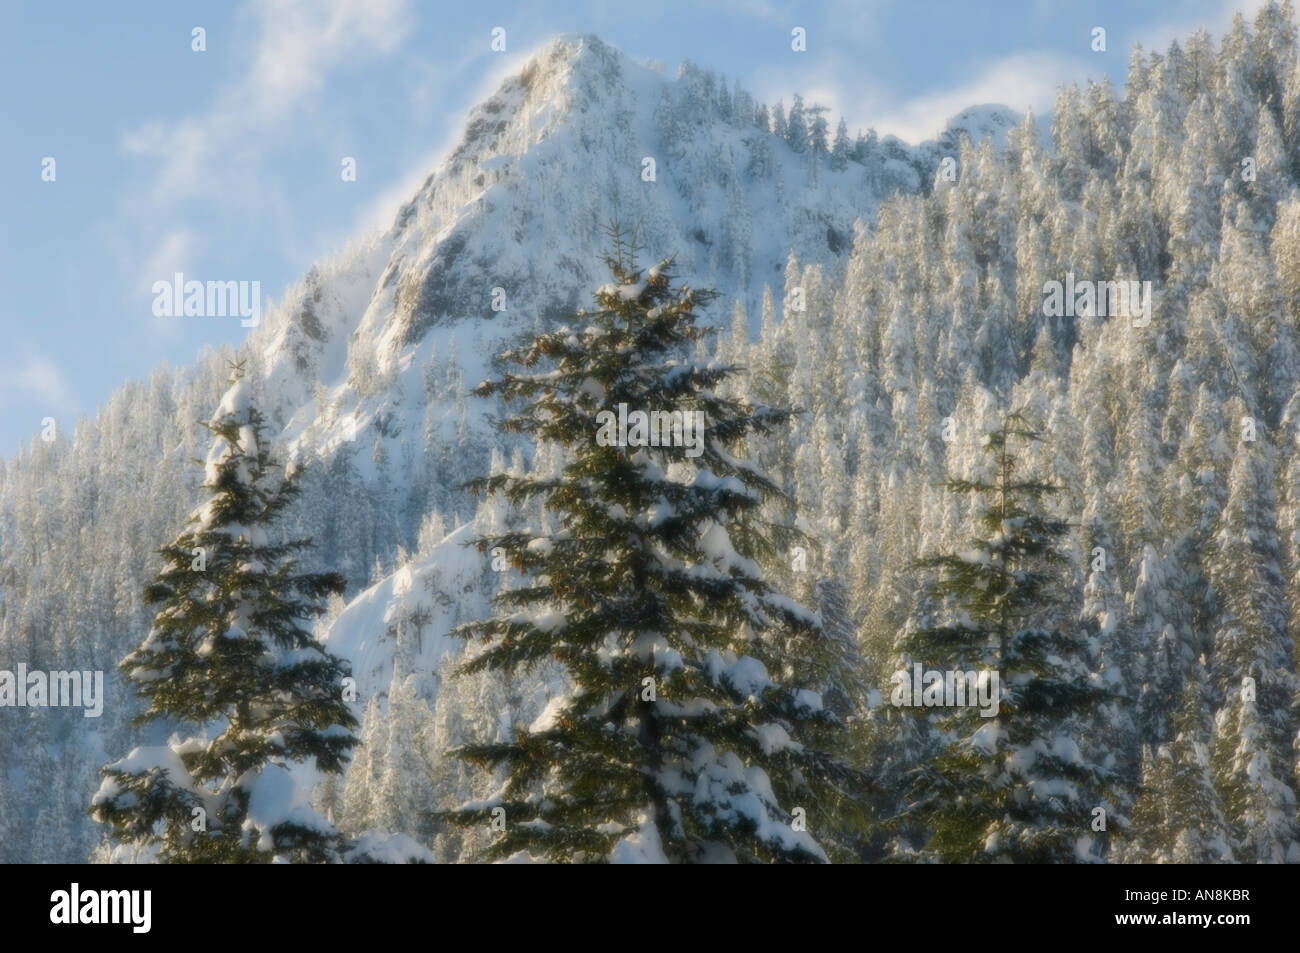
(508, 231)
(988, 121)
(506, 235)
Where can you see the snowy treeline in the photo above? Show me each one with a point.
(1175, 444)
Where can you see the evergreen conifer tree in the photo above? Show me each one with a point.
(1178, 818)
(1016, 786)
(818, 130)
(796, 133)
(679, 739)
(229, 652)
(841, 148)
(1253, 668)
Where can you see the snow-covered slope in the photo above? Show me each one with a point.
(402, 622)
(364, 369)
(977, 123)
(508, 231)
(518, 209)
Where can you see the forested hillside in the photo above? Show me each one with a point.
(901, 298)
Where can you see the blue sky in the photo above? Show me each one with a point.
(224, 164)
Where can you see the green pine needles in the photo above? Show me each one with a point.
(229, 651)
(1014, 782)
(680, 738)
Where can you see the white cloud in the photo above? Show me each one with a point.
(1022, 81)
(863, 21)
(299, 45)
(174, 253)
(1027, 80)
(38, 381)
(214, 163)
(299, 42)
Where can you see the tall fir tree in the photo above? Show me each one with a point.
(229, 652)
(1178, 818)
(1253, 668)
(818, 130)
(780, 127)
(841, 149)
(679, 739)
(1017, 785)
(796, 133)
